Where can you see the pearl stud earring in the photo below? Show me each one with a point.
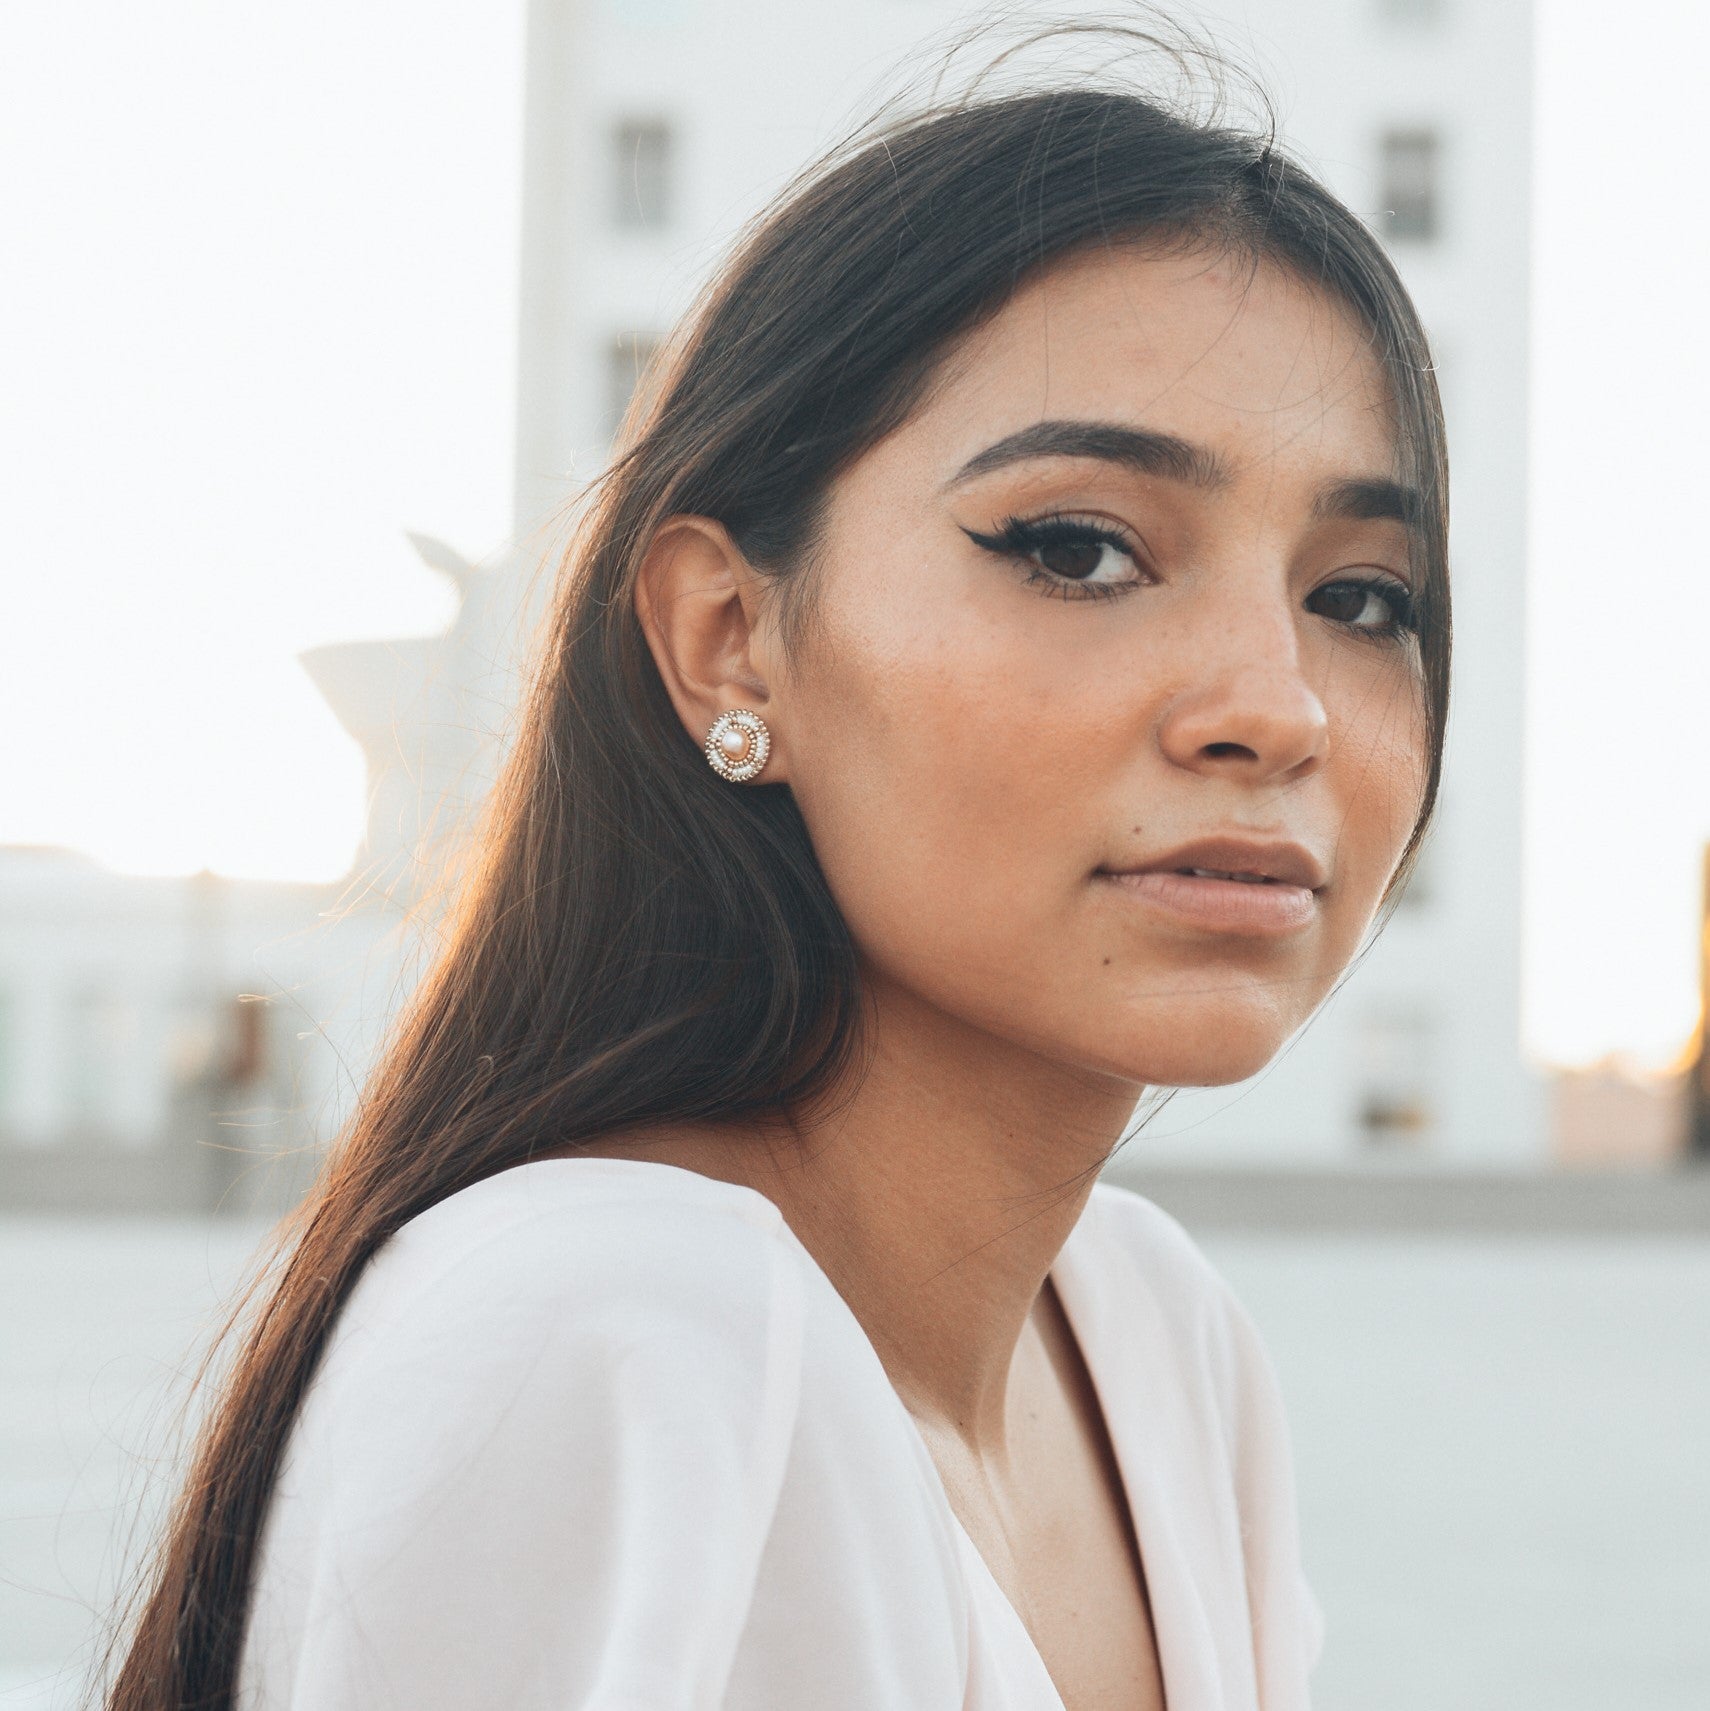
(737, 745)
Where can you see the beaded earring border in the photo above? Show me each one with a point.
(737, 745)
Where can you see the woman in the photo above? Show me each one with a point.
(1004, 672)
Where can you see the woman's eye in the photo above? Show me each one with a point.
(1068, 554)
(1376, 605)
(1083, 561)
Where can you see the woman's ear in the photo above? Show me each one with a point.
(699, 602)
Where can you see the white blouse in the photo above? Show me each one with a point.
(600, 1435)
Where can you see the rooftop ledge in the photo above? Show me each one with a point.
(1421, 1199)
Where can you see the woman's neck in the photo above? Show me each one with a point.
(935, 1192)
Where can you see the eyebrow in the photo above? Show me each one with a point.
(1141, 449)
(1357, 499)
(1369, 499)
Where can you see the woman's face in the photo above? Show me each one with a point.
(1133, 579)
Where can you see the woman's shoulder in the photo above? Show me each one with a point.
(576, 1233)
(592, 1191)
(569, 1388)
(1227, 1380)
(1154, 1241)
(573, 1276)
(1195, 1301)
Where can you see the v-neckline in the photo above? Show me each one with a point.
(1073, 1274)
(1073, 1294)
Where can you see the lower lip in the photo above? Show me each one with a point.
(1223, 905)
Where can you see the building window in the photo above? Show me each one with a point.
(1395, 1076)
(628, 358)
(1408, 190)
(641, 174)
(101, 1038)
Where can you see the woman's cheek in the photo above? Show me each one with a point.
(1388, 749)
(939, 850)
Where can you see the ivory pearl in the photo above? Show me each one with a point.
(734, 742)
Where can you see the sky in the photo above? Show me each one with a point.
(257, 319)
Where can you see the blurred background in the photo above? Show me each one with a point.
(312, 319)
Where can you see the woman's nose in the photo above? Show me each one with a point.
(1251, 713)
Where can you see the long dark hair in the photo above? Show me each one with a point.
(636, 943)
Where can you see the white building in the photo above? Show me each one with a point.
(171, 1044)
(183, 1044)
(656, 126)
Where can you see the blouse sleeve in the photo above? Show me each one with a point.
(537, 1472)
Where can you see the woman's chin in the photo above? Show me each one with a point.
(1219, 1060)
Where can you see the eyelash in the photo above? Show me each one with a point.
(1020, 537)
(1402, 604)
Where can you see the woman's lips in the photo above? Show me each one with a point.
(1222, 905)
